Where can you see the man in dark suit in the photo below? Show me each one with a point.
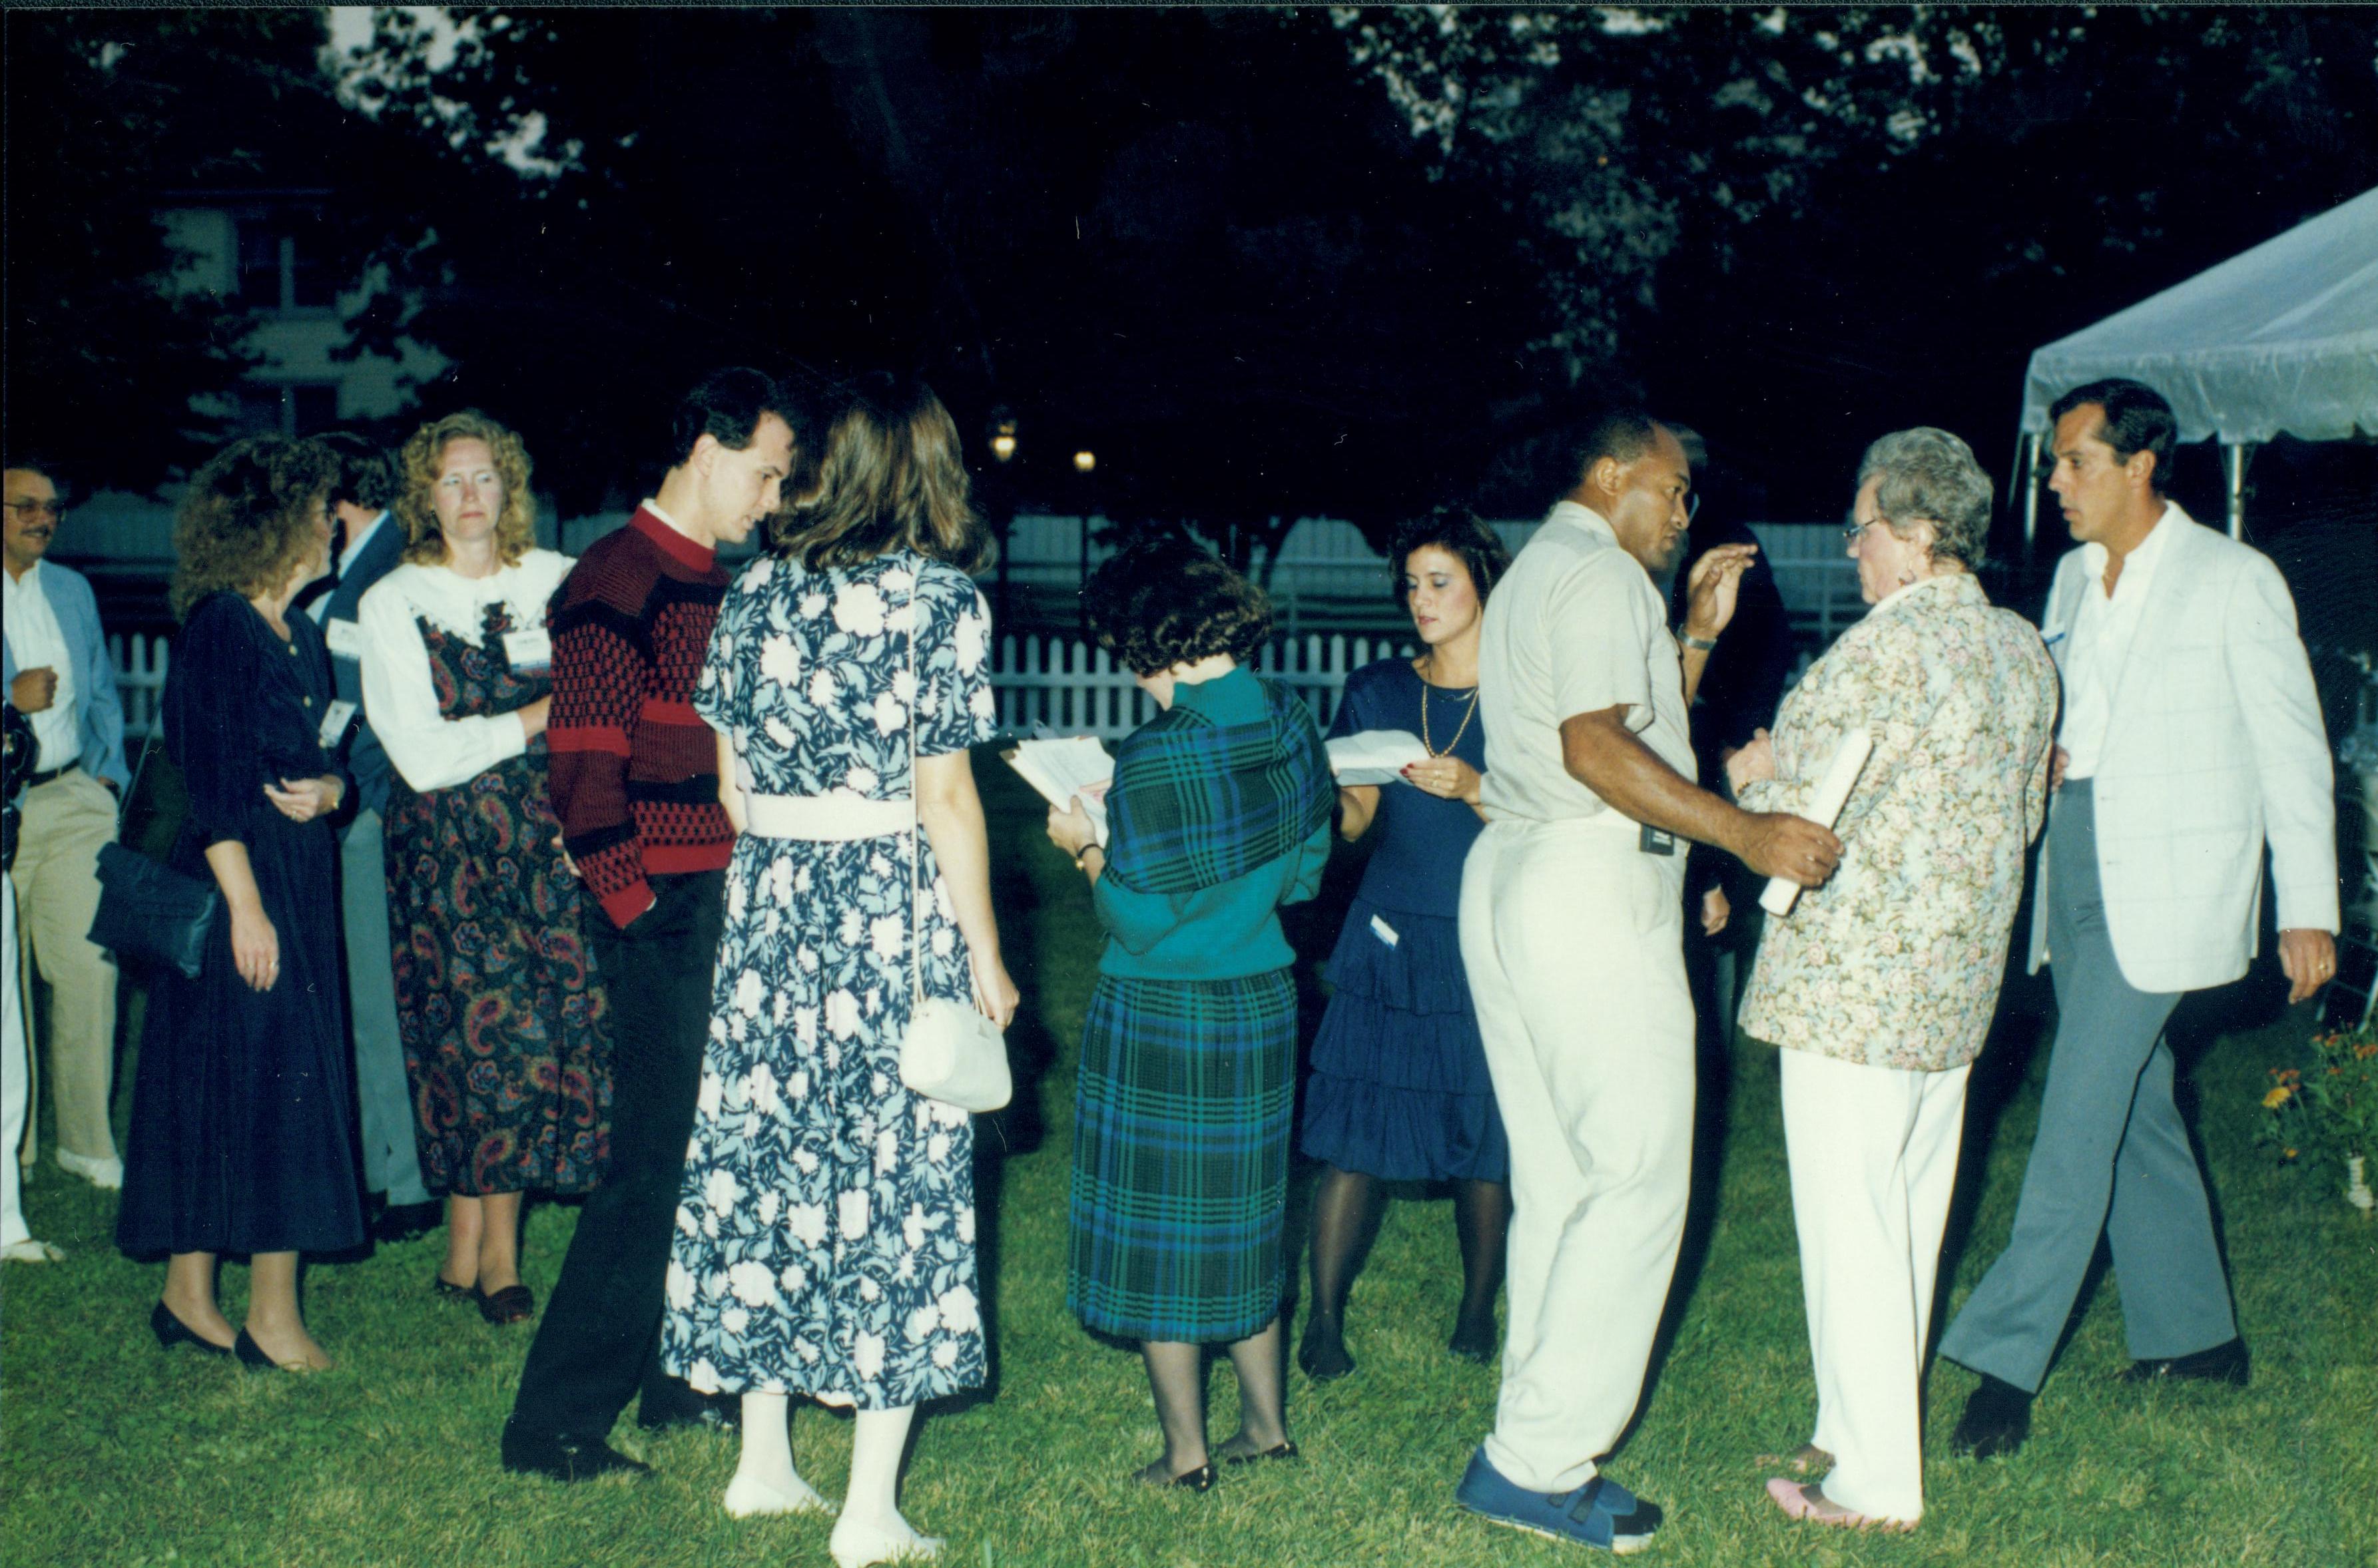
(372, 541)
(1740, 688)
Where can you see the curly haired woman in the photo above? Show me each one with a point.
(239, 1138)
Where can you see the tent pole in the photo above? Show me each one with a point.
(2030, 495)
(2233, 462)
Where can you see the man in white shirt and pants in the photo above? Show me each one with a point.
(57, 675)
(1571, 933)
(2192, 734)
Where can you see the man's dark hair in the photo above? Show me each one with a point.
(1622, 435)
(1168, 601)
(367, 476)
(2137, 419)
(35, 462)
(727, 405)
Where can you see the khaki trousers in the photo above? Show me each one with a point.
(1573, 940)
(57, 875)
(13, 1087)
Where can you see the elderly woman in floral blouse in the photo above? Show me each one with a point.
(1879, 985)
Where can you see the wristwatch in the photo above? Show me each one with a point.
(1698, 644)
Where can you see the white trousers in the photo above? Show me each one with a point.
(15, 1080)
(1572, 939)
(1873, 1152)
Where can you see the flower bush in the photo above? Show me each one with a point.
(2327, 1111)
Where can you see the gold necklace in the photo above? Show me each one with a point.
(1426, 685)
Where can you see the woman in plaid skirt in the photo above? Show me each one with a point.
(1220, 814)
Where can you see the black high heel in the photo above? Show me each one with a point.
(253, 1356)
(171, 1331)
(1199, 1480)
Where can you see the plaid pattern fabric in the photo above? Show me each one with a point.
(1196, 804)
(1180, 1118)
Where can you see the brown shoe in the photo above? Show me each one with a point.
(512, 1304)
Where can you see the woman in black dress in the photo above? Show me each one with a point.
(240, 1138)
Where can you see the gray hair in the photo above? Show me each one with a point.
(1928, 473)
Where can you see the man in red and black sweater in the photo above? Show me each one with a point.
(634, 779)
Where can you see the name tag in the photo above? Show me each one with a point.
(335, 720)
(345, 638)
(530, 650)
(1384, 931)
(1656, 841)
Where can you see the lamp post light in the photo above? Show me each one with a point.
(1002, 435)
(1085, 460)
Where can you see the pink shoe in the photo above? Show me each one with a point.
(1809, 1501)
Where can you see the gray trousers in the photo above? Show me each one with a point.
(392, 1157)
(2111, 1154)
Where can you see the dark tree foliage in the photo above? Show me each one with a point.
(1191, 243)
(102, 358)
(1799, 227)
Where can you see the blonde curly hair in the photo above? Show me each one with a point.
(515, 530)
(250, 515)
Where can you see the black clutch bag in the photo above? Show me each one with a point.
(149, 913)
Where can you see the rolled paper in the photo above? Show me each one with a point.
(1833, 794)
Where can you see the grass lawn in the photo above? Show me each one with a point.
(111, 1453)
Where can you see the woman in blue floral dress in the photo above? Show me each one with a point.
(825, 1234)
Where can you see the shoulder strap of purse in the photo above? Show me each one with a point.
(124, 804)
(916, 825)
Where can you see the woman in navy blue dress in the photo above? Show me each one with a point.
(241, 1140)
(1399, 1090)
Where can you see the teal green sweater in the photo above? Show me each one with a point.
(1224, 932)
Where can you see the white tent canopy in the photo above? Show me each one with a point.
(2282, 340)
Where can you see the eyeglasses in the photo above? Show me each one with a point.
(1852, 532)
(1692, 505)
(26, 511)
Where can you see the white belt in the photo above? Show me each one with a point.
(826, 816)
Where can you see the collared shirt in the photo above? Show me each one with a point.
(36, 640)
(321, 604)
(2103, 630)
(1575, 626)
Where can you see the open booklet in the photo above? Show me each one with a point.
(1065, 769)
(1374, 756)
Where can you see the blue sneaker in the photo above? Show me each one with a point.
(1600, 1513)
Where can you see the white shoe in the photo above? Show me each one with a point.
(748, 1498)
(30, 1252)
(107, 1175)
(857, 1545)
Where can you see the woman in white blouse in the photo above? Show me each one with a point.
(503, 1020)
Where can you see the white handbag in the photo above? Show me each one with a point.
(950, 1053)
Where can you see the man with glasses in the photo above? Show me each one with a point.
(56, 673)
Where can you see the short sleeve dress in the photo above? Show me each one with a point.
(240, 1139)
(1400, 1088)
(825, 1229)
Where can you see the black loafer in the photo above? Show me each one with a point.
(1996, 1423)
(1283, 1451)
(512, 1304)
(566, 1459)
(1199, 1480)
(2224, 1363)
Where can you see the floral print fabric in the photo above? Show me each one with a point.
(825, 1229)
(505, 1026)
(1896, 961)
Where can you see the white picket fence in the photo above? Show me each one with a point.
(1067, 687)
(1073, 687)
(140, 679)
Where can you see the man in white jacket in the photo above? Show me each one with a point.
(2191, 736)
